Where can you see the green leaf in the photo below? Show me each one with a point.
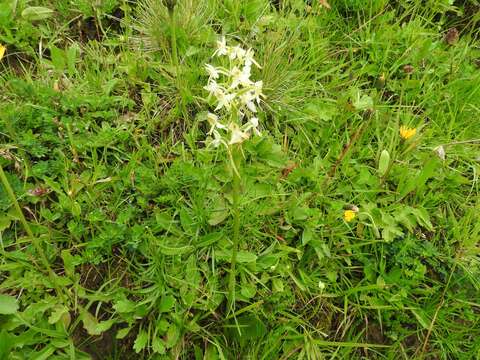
(124, 306)
(219, 212)
(421, 317)
(173, 334)
(307, 236)
(363, 102)
(7, 342)
(123, 332)
(249, 328)
(45, 353)
(158, 346)
(171, 250)
(422, 217)
(242, 256)
(91, 324)
(57, 314)
(218, 216)
(140, 341)
(248, 290)
(383, 163)
(167, 303)
(36, 13)
(58, 58)
(4, 223)
(68, 262)
(71, 55)
(8, 305)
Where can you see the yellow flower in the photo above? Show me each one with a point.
(349, 215)
(406, 132)
(2, 51)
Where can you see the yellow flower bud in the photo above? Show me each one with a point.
(406, 132)
(2, 51)
(349, 215)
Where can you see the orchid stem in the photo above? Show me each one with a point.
(236, 190)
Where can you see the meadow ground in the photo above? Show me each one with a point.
(349, 229)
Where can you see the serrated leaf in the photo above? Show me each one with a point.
(36, 13)
(383, 163)
(158, 346)
(68, 262)
(8, 305)
(4, 223)
(57, 314)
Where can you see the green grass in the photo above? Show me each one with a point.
(123, 246)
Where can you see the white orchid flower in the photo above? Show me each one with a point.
(236, 96)
(236, 52)
(217, 139)
(213, 72)
(257, 90)
(249, 60)
(214, 123)
(240, 77)
(224, 100)
(248, 100)
(252, 125)
(254, 122)
(214, 89)
(238, 136)
(222, 48)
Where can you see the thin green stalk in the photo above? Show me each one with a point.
(34, 239)
(236, 190)
(171, 12)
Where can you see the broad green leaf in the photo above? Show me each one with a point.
(167, 303)
(58, 58)
(242, 256)
(60, 312)
(307, 236)
(36, 13)
(91, 324)
(383, 163)
(140, 341)
(68, 262)
(8, 305)
(71, 55)
(158, 346)
(123, 332)
(124, 306)
(363, 102)
(248, 290)
(7, 341)
(172, 250)
(422, 217)
(173, 334)
(4, 223)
